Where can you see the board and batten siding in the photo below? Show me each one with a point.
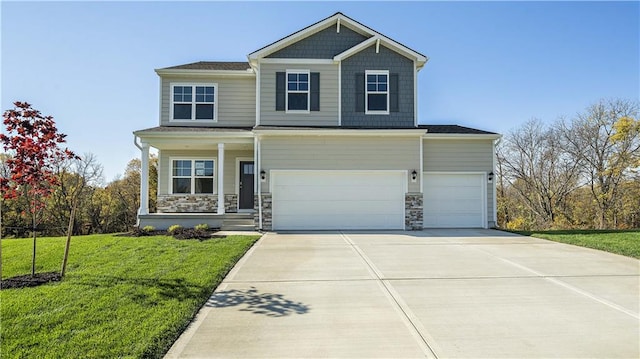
(456, 155)
(328, 114)
(340, 153)
(229, 167)
(236, 101)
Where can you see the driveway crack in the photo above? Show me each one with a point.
(426, 342)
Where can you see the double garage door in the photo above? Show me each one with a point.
(338, 199)
(372, 200)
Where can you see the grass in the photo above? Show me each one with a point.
(122, 297)
(624, 242)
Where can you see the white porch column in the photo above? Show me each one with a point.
(144, 179)
(220, 178)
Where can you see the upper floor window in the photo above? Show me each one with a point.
(192, 176)
(297, 91)
(193, 102)
(377, 92)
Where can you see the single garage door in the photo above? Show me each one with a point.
(454, 200)
(338, 199)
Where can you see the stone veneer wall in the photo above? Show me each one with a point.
(266, 212)
(187, 203)
(230, 203)
(413, 213)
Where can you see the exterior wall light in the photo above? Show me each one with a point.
(414, 176)
(490, 177)
(263, 176)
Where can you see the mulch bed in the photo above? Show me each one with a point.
(184, 233)
(24, 281)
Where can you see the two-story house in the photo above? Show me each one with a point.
(318, 130)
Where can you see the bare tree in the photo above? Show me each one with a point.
(594, 140)
(77, 176)
(533, 161)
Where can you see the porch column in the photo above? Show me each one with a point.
(220, 178)
(144, 179)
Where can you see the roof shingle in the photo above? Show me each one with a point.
(212, 65)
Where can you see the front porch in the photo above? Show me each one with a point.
(204, 176)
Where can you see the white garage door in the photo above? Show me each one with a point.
(454, 200)
(338, 200)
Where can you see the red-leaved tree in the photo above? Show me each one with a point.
(33, 143)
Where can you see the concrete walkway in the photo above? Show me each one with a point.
(434, 294)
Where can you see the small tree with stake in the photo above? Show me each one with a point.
(33, 142)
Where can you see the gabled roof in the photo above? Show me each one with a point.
(340, 19)
(212, 65)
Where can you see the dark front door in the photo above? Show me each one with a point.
(246, 185)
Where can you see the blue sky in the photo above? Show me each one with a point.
(493, 65)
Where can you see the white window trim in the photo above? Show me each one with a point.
(193, 101)
(193, 177)
(286, 95)
(367, 92)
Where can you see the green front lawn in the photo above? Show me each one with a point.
(122, 297)
(624, 242)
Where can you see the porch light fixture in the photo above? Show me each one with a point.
(490, 177)
(263, 176)
(414, 176)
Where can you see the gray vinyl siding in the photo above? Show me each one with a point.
(230, 157)
(341, 153)
(386, 59)
(236, 101)
(460, 156)
(328, 114)
(324, 44)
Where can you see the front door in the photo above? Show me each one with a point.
(246, 185)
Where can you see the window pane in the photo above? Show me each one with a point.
(298, 101)
(204, 168)
(377, 102)
(303, 86)
(382, 87)
(371, 87)
(199, 97)
(204, 112)
(303, 77)
(179, 93)
(208, 98)
(204, 185)
(181, 112)
(182, 168)
(371, 78)
(292, 77)
(209, 90)
(248, 168)
(182, 185)
(199, 90)
(382, 78)
(186, 90)
(293, 86)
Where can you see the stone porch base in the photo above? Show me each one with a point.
(162, 221)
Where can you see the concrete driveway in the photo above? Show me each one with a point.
(433, 293)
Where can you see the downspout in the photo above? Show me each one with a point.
(135, 142)
(496, 142)
(259, 169)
